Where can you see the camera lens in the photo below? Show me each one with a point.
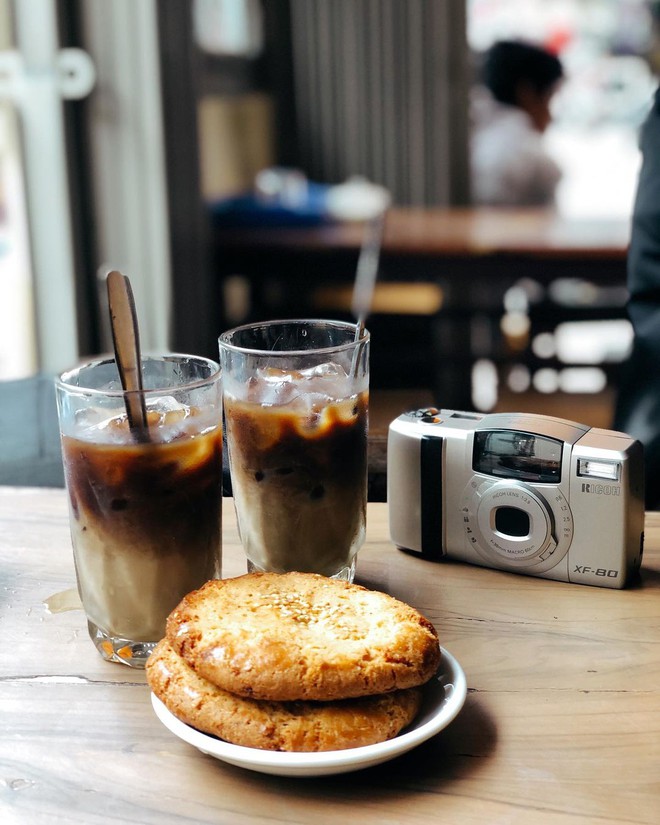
(511, 521)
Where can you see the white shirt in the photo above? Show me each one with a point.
(509, 163)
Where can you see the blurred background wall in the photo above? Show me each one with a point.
(191, 100)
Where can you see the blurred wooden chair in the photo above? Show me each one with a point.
(403, 358)
(402, 324)
(390, 298)
(30, 453)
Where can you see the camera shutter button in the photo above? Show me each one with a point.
(427, 415)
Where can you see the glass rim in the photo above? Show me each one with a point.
(287, 353)
(62, 381)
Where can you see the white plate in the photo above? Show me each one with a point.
(444, 696)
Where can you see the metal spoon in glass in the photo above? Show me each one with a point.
(365, 275)
(126, 341)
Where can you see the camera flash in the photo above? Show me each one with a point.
(589, 468)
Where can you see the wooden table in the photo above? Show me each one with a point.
(561, 723)
(473, 256)
(450, 231)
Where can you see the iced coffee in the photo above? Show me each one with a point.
(297, 441)
(145, 514)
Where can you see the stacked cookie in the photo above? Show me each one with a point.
(294, 662)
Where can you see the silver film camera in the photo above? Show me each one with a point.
(519, 492)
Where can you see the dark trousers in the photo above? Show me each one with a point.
(638, 404)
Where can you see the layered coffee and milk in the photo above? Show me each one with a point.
(298, 457)
(145, 517)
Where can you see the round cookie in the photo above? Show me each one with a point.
(281, 726)
(301, 636)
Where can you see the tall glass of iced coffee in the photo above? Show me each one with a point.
(296, 398)
(145, 507)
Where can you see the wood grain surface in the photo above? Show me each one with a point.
(561, 724)
(540, 233)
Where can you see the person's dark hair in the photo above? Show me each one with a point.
(510, 61)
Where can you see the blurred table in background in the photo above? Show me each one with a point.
(472, 256)
(459, 232)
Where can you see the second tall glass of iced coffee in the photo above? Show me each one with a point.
(296, 397)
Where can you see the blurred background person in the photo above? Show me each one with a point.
(510, 113)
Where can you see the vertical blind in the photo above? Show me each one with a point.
(381, 91)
